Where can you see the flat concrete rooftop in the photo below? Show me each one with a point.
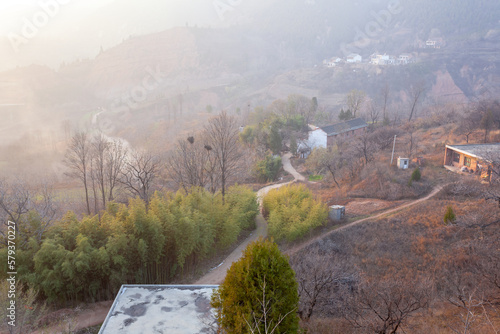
(172, 309)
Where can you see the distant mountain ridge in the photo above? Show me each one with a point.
(284, 36)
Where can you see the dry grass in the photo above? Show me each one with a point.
(416, 242)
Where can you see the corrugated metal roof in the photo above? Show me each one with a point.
(342, 127)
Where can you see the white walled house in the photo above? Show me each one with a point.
(327, 135)
(332, 62)
(385, 59)
(317, 138)
(354, 58)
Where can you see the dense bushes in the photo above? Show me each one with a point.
(89, 259)
(268, 168)
(292, 212)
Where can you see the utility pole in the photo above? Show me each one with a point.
(393, 147)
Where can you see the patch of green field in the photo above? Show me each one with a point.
(315, 177)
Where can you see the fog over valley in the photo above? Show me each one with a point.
(162, 142)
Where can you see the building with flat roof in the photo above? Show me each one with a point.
(472, 159)
(173, 309)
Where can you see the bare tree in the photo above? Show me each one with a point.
(352, 160)
(461, 289)
(386, 91)
(99, 150)
(93, 182)
(15, 200)
(487, 123)
(280, 108)
(303, 106)
(140, 172)
(320, 276)
(487, 266)
(18, 198)
(415, 93)
(493, 192)
(191, 165)
(384, 137)
(384, 306)
(469, 123)
(410, 128)
(115, 162)
(323, 159)
(77, 159)
(222, 136)
(355, 100)
(373, 112)
(470, 310)
(365, 147)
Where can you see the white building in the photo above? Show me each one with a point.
(385, 59)
(317, 137)
(326, 136)
(354, 58)
(405, 58)
(403, 163)
(430, 43)
(332, 62)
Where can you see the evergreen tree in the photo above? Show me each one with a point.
(314, 103)
(293, 145)
(275, 140)
(342, 114)
(449, 216)
(259, 293)
(416, 175)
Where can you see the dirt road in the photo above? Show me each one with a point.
(96, 314)
(216, 276)
(297, 248)
(89, 317)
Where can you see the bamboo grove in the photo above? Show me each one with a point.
(88, 259)
(292, 212)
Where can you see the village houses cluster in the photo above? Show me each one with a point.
(375, 59)
(385, 59)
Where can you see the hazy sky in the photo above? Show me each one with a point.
(48, 32)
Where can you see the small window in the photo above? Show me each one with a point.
(456, 157)
(467, 161)
(406, 162)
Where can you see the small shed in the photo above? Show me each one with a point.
(337, 212)
(403, 163)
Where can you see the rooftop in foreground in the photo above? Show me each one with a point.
(173, 309)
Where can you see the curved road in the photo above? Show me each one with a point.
(433, 193)
(216, 276)
(97, 314)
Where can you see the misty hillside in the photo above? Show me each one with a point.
(319, 27)
(276, 51)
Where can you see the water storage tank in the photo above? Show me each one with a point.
(337, 212)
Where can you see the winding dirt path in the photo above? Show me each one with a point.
(217, 275)
(97, 313)
(297, 248)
